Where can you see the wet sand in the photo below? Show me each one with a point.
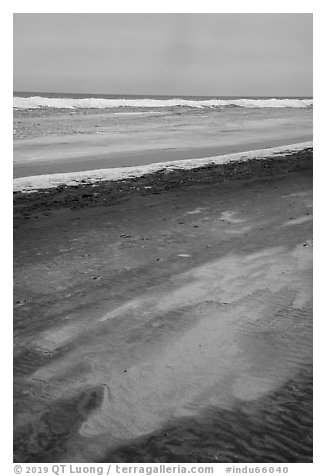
(167, 318)
(47, 142)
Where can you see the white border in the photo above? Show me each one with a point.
(160, 6)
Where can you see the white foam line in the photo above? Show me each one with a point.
(38, 182)
(35, 102)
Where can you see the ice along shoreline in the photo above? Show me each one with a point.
(70, 179)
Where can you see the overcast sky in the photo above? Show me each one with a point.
(175, 54)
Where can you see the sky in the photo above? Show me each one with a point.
(211, 54)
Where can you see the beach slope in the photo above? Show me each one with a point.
(166, 317)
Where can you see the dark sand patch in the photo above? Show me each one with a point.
(107, 193)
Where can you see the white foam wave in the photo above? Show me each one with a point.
(36, 102)
(38, 182)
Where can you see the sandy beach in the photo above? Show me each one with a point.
(50, 141)
(167, 317)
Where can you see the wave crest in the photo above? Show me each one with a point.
(37, 102)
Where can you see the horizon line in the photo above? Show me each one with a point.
(167, 95)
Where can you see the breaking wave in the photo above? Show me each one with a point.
(36, 102)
